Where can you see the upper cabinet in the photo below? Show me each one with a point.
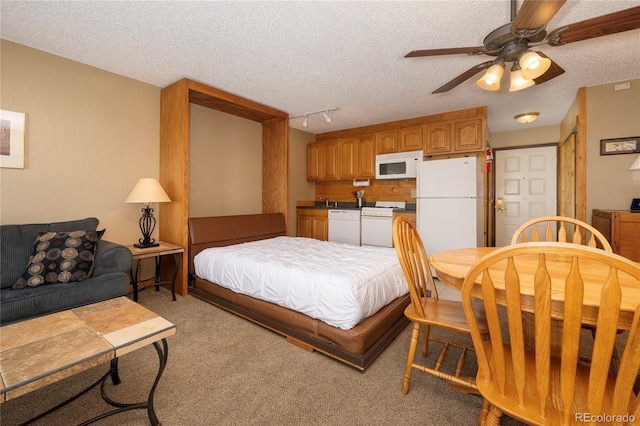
(411, 139)
(350, 154)
(468, 136)
(438, 138)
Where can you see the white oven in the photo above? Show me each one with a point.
(377, 223)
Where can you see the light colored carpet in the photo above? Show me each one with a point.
(224, 370)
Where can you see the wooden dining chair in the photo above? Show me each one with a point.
(427, 310)
(580, 233)
(534, 386)
(567, 229)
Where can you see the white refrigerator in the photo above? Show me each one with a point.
(450, 204)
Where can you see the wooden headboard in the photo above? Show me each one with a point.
(219, 231)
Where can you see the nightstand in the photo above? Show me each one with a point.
(162, 249)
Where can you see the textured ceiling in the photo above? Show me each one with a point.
(306, 56)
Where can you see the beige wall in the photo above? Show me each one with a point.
(225, 164)
(299, 187)
(525, 136)
(611, 114)
(90, 135)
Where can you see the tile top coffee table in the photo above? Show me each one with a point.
(43, 350)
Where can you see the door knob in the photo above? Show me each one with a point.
(500, 205)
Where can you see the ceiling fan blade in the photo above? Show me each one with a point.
(553, 71)
(536, 14)
(623, 20)
(451, 51)
(463, 77)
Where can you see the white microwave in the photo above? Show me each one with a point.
(403, 165)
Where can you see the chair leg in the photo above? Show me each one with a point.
(413, 345)
(493, 417)
(482, 418)
(425, 342)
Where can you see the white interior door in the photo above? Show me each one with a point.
(525, 188)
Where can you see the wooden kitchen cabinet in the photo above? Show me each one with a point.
(312, 223)
(387, 142)
(411, 139)
(437, 138)
(348, 158)
(468, 136)
(315, 161)
(621, 228)
(331, 159)
(366, 162)
(409, 215)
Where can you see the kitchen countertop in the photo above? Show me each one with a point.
(411, 208)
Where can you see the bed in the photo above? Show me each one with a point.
(357, 346)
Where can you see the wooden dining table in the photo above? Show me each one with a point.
(451, 267)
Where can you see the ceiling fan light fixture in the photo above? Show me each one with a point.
(518, 82)
(526, 117)
(533, 65)
(491, 79)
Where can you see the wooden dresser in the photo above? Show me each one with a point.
(622, 229)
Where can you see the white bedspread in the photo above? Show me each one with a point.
(337, 283)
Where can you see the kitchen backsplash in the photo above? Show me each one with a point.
(379, 190)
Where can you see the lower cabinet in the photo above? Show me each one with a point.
(312, 223)
(621, 228)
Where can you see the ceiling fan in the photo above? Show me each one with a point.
(512, 43)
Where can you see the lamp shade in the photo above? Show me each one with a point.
(148, 190)
(533, 65)
(518, 82)
(636, 164)
(491, 79)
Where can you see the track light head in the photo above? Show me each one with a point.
(326, 116)
(305, 122)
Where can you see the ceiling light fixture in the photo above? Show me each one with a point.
(533, 65)
(324, 112)
(518, 82)
(491, 79)
(527, 117)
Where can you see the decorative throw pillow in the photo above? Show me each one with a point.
(60, 257)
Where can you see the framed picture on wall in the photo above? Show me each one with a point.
(11, 139)
(620, 145)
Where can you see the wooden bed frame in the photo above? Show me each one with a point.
(357, 347)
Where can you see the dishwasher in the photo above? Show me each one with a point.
(344, 226)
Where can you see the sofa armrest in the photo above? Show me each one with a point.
(111, 257)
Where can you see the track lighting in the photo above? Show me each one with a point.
(533, 65)
(324, 112)
(491, 79)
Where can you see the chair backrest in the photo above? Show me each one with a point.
(579, 232)
(414, 261)
(501, 275)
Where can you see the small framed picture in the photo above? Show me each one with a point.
(620, 145)
(11, 139)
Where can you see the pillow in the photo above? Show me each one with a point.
(60, 257)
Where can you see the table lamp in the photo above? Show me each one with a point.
(147, 191)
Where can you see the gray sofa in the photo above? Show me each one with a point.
(109, 277)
